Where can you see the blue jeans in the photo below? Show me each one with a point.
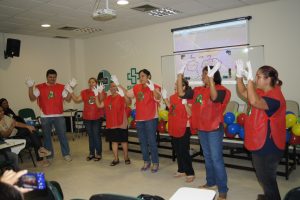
(147, 137)
(59, 124)
(93, 130)
(212, 147)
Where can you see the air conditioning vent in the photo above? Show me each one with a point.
(145, 8)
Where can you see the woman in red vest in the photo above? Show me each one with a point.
(91, 116)
(265, 133)
(179, 130)
(115, 106)
(147, 95)
(209, 103)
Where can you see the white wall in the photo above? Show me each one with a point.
(273, 25)
(37, 55)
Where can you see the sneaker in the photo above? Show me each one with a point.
(179, 174)
(68, 158)
(205, 186)
(43, 152)
(222, 196)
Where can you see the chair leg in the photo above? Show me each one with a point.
(20, 157)
(30, 153)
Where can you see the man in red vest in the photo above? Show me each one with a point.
(50, 97)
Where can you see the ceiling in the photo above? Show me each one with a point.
(26, 16)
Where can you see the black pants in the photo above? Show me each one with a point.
(265, 169)
(181, 147)
(31, 139)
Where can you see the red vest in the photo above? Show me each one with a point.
(90, 109)
(178, 117)
(146, 106)
(256, 125)
(114, 109)
(50, 100)
(207, 115)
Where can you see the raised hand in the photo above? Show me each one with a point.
(68, 88)
(115, 80)
(249, 73)
(29, 82)
(211, 72)
(164, 93)
(120, 92)
(150, 85)
(239, 68)
(72, 82)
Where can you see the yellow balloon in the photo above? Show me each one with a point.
(296, 129)
(167, 126)
(290, 120)
(163, 114)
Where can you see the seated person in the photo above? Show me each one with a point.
(9, 112)
(7, 156)
(8, 130)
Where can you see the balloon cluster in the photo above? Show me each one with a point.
(292, 124)
(234, 124)
(162, 125)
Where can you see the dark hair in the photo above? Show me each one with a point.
(51, 71)
(9, 192)
(92, 78)
(145, 71)
(271, 72)
(2, 100)
(217, 75)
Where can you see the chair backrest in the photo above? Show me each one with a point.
(292, 106)
(111, 197)
(26, 113)
(293, 194)
(232, 106)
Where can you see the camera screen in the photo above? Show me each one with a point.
(33, 180)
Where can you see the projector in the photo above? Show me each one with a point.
(104, 14)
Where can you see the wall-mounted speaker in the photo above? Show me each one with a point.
(12, 48)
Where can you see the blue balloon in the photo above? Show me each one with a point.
(288, 135)
(133, 113)
(242, 133)
(234, 128)
(229, 118)
(289, 112)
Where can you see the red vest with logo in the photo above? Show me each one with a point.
(90, 109)
(146, 106)
(178, 117)
(115, 109)
(50, 100)
(207, 115)
(256, 124)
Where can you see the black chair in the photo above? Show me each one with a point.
(293, 194)
(79, 126)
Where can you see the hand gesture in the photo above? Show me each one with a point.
(164, 93)
(184, 101)
(211, 72)
(239, 68)
(150, 85)
(248, 73)
(68, 88)
(72, 82)
(10, 177)
(120, 92)
(115, 80)
(29, 82)
(95, 90)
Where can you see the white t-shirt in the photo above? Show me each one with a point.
(5, 123)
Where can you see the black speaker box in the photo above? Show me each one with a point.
(12, 48)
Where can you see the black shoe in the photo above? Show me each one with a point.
(261, 197)
(127, 161)
(114, 162)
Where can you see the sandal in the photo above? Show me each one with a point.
(97, 158)
(90, 157)
(190, 178)
(154, 168)
(127, 161)
(146, 166)
(114, 162)
(179, 174)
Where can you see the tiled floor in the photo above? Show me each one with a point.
(81, 179)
